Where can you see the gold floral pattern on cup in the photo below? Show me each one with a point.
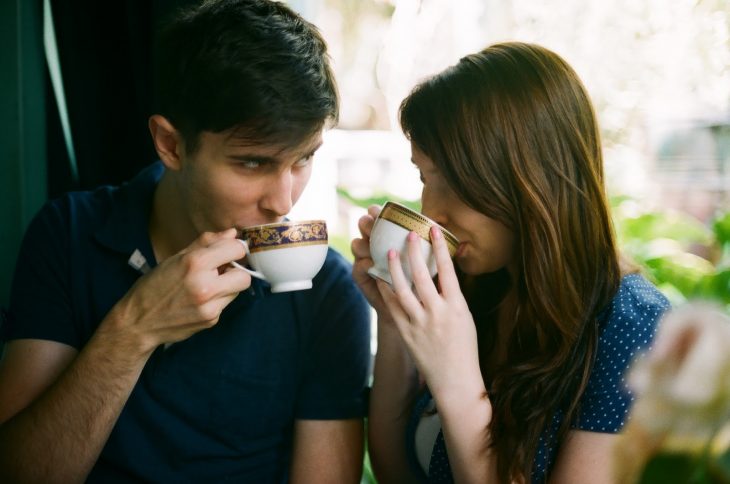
(285, 234)
(416, 222)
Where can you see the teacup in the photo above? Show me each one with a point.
(286, 254)
(390, 230)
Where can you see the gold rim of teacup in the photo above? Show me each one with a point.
(410, 220)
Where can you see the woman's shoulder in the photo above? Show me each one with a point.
(637, 302)
(628, 325)
(627, 329)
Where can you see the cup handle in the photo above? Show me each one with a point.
(235, 264)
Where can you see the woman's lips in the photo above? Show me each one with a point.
(460, 250)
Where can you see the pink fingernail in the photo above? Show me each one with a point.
(436, 233)
(412, 236)
(392, 254)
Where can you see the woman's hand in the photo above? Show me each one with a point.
(435, 323)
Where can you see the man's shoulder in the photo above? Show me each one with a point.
(90, 209)
(335, 270)
(75, 212)
(336, 264)
(334, 285)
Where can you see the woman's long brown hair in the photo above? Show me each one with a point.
(513, 131)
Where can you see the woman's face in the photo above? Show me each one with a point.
(486, 245)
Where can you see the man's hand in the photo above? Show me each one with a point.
(186, 293)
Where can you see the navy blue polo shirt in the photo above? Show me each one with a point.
(221, 404)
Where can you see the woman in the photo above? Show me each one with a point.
(509, 367)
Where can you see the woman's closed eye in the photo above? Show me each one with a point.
(420, 174)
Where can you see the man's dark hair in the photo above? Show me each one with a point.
(252, 66)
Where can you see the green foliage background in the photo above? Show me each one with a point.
(685, 258)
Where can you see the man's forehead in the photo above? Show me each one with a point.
(272, 148)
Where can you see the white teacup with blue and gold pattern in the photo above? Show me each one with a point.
(286, 254)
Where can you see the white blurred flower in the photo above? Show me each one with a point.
(683, 384)
(682, 389)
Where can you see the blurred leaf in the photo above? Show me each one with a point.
(616, 200)
(368, 477)
(670, 225)
(675, 296)
(342, 245)
(667, 469)
(721, 228)
(377, 199)
(667, 244)
(684, 270)
(721, 468)
(715, 286)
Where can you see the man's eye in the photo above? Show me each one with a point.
(305, 161)
(250, 164)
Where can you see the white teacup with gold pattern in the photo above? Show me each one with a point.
(286, 254)
(390, 230)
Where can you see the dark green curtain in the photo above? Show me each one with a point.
(105, 51)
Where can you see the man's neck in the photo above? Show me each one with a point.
(169, 228)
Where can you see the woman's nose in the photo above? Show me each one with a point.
(431, 208)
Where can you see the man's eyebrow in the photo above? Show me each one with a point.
(311, 151)
(257, 158)
(275, 158)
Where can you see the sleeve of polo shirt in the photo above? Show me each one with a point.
(40, 299)
(337, 362)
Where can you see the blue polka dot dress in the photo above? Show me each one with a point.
(627, 328)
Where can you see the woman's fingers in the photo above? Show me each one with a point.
(391, 301)
(402, 287)
(365, 225)
(360, 248)
(399, 316)
(374, 211)
(444, 265)
(422, 281)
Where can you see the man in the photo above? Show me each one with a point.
(136, 352)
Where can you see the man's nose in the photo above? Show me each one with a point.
(279, 195)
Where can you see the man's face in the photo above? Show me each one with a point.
(228, 182)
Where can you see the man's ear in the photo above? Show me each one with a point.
(168, 142)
